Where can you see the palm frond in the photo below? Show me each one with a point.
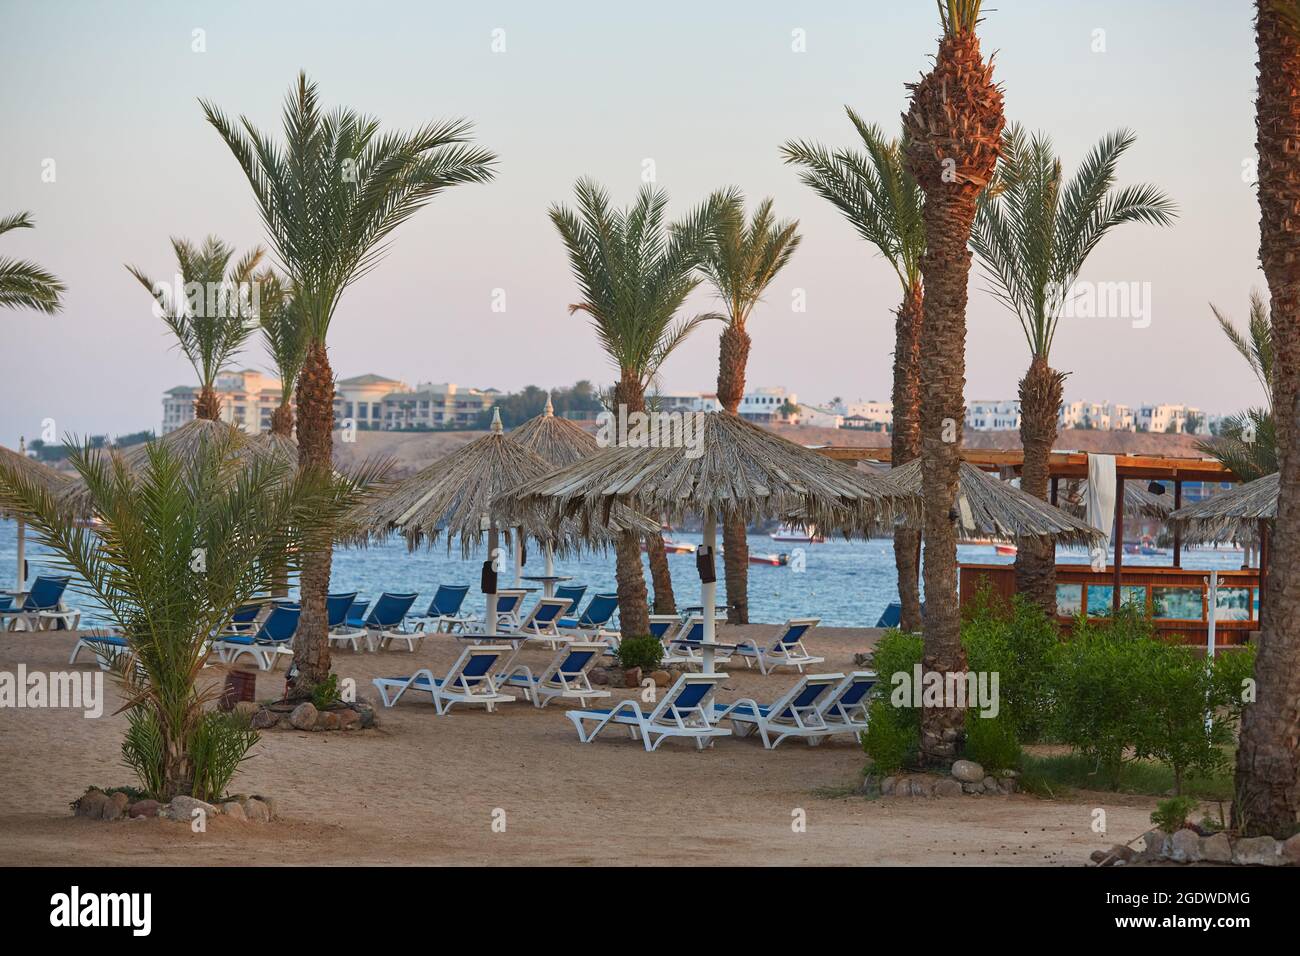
(24, 284)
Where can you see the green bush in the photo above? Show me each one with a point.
(1170, 815)
(1179, 689)
(221, 742)
(892, 737)
(1232, 669)
(991, 741)
(1016, 641)
(898, 653)
(326, 693)
(643, 652)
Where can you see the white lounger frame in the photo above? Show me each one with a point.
(773, 726)
(664, 721)
(848, 718)
(453, 688)
(552, 684)
(775, 653)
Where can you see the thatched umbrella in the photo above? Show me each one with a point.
(1237, 514)
(561, 443)
(991, 508)
(1137, 500)
(186, 442)
(460, 496)
(727, 467)
(36, 472)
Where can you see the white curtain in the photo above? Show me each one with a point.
(1101, 503)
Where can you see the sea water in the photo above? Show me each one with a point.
(845, 583)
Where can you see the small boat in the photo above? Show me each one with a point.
(1007, 549)
(675, 547)
(807, 535)
(774, 560)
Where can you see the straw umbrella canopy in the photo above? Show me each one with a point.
(991, 508)
(38, 473)
(730, 467)
(1137, 500)
(1230, 515)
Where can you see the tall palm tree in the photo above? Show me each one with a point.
(284, 334)
(1247, 442)
(208, 318)
(634, 272)
(330, 197)
(874, 190)
(1268, 752)
(953, 129)
(23, 284)
(1033, 233)
(741, 263)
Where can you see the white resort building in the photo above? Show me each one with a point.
(248, 400)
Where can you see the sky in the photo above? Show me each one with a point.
(707, 93)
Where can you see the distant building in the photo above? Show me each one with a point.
(1173, 418)
(871, 415)
(436, 405)
(993, 416)
(815, 417)
(767, 405)
(248, 400)
(360, 399)
(1103, 416)
(684, 401)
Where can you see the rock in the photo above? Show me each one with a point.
(1185, 846)
(902, 786)
(303, 716)
(968, 771)
(183, 807)
(144, 808)
(235, 810)
(990, 785)
(599, 676)
(327, 720)
(247, 708)
(661, 678)
(92, 803)
(283, 724)
(973, 787)
(367, 712)
(349, 719)
(947, 787)
(256, 811)
(920, 787)
(887, 785)
(1216, 848)
(1008, 785)
(1291, 850)
(1256, 851)
(1099, 856)
(263, 719)
(632, 677)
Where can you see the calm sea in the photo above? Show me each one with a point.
(845, 583)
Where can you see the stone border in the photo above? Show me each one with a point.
(1186, 845)
(95, 804)
(278, 715)
(967, 777)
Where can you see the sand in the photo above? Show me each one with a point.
(423, 789)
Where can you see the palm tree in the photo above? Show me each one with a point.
(741, 263)
(1267, 800)
(330, 197)
(1033, 233)
(1247, 442)
(208, 318)
(634, 272)
(953, 131)
(874, 190)
(247, 522)
(284, 334)
(23, 284)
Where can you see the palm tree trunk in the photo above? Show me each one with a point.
(311, 651)
(905, 446)
(733, 357)
(1041, 391)
(665, 600)
(1268, 753)
(282, 419)
(207, 406)
(633, 608)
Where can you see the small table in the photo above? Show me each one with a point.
(548, 582)
(685, 613)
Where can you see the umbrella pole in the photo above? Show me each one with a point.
(709, 592)
(519, 556)
(22, 553)
(493, 543)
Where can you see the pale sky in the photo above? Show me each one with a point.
(108, 91)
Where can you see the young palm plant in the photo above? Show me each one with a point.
(23, 284)
(874, 190)
(1267, 800)
(741, 263)
(634, 272)
(212, 319)
(178, 546)
(284, 335)
(330, 196)
(953, 132)
(1033, 233)
(1247, 442)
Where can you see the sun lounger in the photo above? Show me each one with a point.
(572, 593)
(683, 712)
(244, 619)
(787, 650)
(105, 647)
(542, 620)
(273, 640)
(42, 607)
(566, 677)
(845, 710)
(444, 613)
(685, 645)
(471, 680)
(796, 713)
(337, 608)
(387, 622)
(593, 623)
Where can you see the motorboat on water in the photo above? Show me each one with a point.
(806, 535)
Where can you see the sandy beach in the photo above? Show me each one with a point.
(422, 789)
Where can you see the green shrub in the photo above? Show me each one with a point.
(1170, 815)
(1179, 689)
(643, 652)
(221, 742)
(991, 741)
(326, 693)
(898, 653)
(1232, 669)
(892, 737)
(1016, 641)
